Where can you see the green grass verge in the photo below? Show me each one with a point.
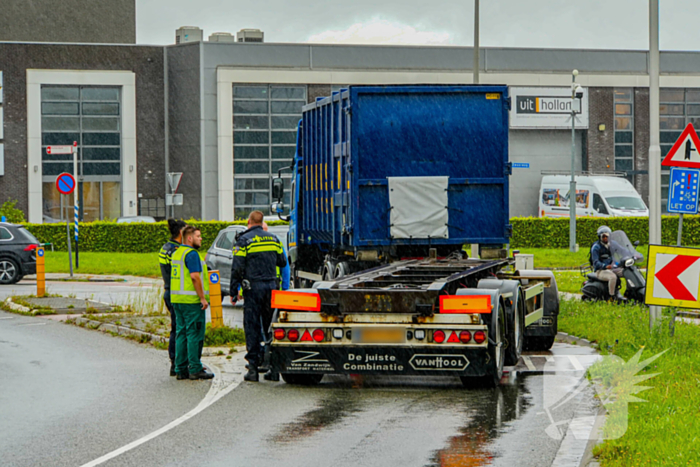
(223, 336)
(126, 264)
(664, 431)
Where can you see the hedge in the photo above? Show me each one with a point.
(125, 238)
(527, 232)
(534, 232)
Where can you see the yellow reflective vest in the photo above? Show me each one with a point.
(181, 286)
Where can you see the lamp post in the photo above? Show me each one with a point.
(476, 41)
(573, 246)
(654, 143)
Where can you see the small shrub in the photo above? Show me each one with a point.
(225, 335)
(11, 213)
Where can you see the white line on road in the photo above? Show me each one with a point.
(528, 363)
(9, 317)
(576, 363)
(32, 324)
(215, 393)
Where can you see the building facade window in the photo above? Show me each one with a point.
(265, 119)
(677, 108)
(624, 131)
(90, 116)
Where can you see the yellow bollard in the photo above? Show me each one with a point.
(40, 283)
(217, 316)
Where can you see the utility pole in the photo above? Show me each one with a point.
(654, 143)
(573, 246)
(476, 41)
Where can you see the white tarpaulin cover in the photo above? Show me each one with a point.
(418, 207)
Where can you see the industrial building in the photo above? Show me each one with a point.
(224, 112)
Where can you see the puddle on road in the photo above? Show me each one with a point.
(331, 410)
(487, 414)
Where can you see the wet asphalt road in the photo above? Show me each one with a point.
(70, 395)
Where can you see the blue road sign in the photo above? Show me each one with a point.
(683, 190)
(65, 183)
(521, 165)
(214, 278)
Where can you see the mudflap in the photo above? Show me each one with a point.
(380, 360)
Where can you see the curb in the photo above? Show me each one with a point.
(588, 459)
(121, 330)
(17, 307)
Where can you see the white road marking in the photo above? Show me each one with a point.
(217, 391)
(549, 359)
(33, 324)
(528, 363)
(576, 363)
(9, 317)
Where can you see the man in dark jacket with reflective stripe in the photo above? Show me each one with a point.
(164, 258)
(256, 257)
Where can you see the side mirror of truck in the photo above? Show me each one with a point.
(277, 208)
(277, 189)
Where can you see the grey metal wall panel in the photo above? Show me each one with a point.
(680, 62)
(255, 55)
(565, 60)
(543, 150)
(376, 57)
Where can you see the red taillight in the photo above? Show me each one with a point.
(293, 335)
(279, 334)
(479, 337)
(319, 335)
(31, 247)
(439, 336)
(465, 337)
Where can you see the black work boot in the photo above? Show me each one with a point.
(203, 374)
(183, 375)
(252, 375)
(272, 376)
(172, 368)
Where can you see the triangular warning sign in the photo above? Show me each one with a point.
(686, 151)
(453, 337)
(306, 337)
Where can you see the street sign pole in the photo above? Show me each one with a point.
(654, 140)
(76, 207)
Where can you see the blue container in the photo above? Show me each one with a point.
(349, 143)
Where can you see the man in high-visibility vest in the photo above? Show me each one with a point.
(256, 256)
(164, 257)
(189, 290)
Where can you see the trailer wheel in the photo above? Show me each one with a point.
(516, 332)
(302, 379)
(496, 350)
(328, 271)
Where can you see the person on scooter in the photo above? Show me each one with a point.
(603, 264)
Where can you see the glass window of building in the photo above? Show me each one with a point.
(90, 116)
(624, 131)
(265, 119)
(677, 108)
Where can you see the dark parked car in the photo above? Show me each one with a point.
(220, 254)
(17, 253)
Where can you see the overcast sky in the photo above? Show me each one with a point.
(599, 24)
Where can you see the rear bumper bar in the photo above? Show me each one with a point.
(389, 360)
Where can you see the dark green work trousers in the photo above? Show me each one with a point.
(190, 337)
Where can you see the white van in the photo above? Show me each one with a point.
(597, 196)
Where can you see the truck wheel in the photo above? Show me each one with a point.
(328, 272)
(342, 269)
(496, 351)
(302, 379)
(516, 332)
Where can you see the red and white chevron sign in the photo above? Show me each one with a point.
(673, 276)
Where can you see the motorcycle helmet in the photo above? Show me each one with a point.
(603, 229)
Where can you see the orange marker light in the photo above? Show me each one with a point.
(296, 301)
(465, 304)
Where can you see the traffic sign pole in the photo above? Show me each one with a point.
(76, 206)
(654, 139)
